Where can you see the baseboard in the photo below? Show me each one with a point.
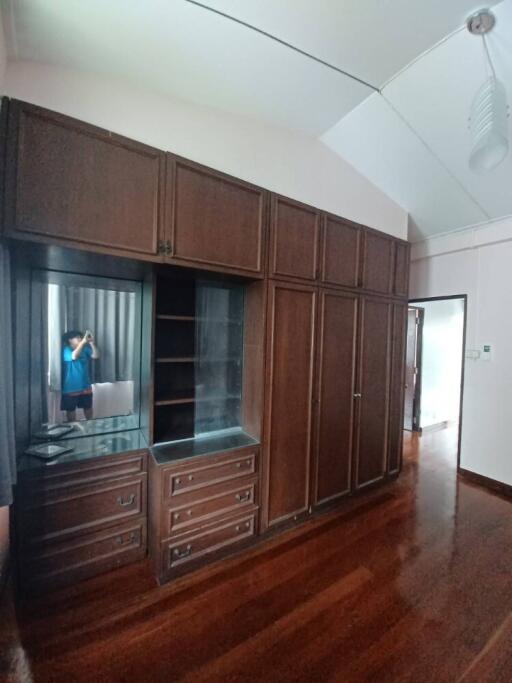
(487, 482)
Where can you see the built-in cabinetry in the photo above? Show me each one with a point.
(307, 341)
(78, 518)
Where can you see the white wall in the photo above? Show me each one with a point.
(278, 159)
(441, 361)
(478, 262)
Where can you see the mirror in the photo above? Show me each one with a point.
(85, 354)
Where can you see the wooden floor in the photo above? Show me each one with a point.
(415, 585)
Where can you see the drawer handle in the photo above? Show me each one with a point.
(125, 503)
(243, 497)
(246, 525)
(179, 554)
(122, 540)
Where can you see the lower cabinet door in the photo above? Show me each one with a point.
(290, 353)
(372, 393)
(336, 365)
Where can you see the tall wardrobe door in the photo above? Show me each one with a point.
(396, 396)
(336, 373)
(290, 347)
(373, 388)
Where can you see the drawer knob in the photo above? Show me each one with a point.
(191, 477)
(189, 513)
(238, 465)
(178, 481)
(247, 462)
(243, 497)
(176, 515)
(125, 503)
(122, 540)
(178, 554)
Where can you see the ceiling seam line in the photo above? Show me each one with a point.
(284, 43)
(436, 157)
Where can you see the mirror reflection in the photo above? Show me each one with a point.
(88, 362)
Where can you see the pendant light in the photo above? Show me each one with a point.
(488, 122)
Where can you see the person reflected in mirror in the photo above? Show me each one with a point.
(78, 349)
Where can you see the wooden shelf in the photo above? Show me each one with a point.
(191, 399)
(193, 359)
(183, 318)
(192, 318)
(174, 401)
(177, 359)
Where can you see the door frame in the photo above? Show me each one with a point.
(464, 298)
(416, 412)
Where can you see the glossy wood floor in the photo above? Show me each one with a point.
(414, 585)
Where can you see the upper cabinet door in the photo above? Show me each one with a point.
(402, 256)
(213, 220)
(378, 263)
(290, 361)
(372, 391)
(335, 390)
(340, 252)
(295, 237)
(75, 182)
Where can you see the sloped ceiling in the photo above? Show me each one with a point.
(387, 84)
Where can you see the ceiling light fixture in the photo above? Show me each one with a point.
(488, 121)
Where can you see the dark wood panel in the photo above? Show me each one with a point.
(373, 387)
(396, 398)
(288, 406)
(340, 252)
(336, 374)
(295, 233)
(402, 257)
(378, 262)
(213, 219)
(75, 182)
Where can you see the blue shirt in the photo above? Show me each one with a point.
(75, 373)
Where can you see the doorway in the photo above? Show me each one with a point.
(435, 364)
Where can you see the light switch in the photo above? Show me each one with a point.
(486, 352)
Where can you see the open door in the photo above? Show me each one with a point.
(413, 369)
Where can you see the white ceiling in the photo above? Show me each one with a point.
(404, 126)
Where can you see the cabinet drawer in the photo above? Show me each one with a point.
(81, 473)
(177, 519)
(64, 513)
(194, 546)
(60, 563)
(197, 477)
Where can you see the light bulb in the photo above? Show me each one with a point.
(489, 127)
